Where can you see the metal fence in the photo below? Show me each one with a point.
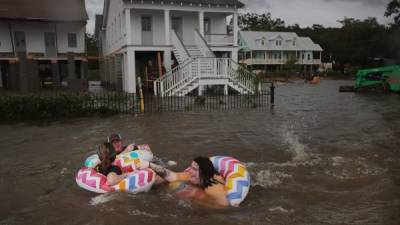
(264, 98)
(70, 104)
(150, 103)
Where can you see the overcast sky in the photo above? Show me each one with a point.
(303, 12)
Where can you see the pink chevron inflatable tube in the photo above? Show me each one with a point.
(137, 181)
(126, 161)
(237, 178)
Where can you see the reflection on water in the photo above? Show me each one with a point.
(320, 157)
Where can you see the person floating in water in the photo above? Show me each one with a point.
(107, 156)
(207, 186)
(116, 141)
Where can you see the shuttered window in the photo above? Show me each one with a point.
(72, 41)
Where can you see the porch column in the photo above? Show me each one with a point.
(167, 60)
(201, 23)
(131, 71)
(235, 55)
(167, 27)
(235, 29)
(56, 74)
(128, 26)
(225, 89)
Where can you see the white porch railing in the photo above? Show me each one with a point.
(202, 44)
(278, 61)
(198, 69)
(179, 49)
(219, 39)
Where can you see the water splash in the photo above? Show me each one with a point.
(296, 148)
(137, 212)
(101, 199)
(266, 178)
(280, 209)
(352, 168)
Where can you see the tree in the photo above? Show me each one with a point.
(91, 45)
(260, 22)
(393, 9)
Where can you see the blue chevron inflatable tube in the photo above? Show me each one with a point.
(237, 178)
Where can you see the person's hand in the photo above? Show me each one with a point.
(184, 176)
(130, 148)
(143, 165)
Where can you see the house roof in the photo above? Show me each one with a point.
(47, 10)
(212, 2)
(252, 40)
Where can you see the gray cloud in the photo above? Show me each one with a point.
(303, 12)
(93, 7)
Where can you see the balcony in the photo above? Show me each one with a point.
(278, 61)
(219, 39)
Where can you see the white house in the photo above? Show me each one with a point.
(270, 50)
(47, 33)
(189, 37)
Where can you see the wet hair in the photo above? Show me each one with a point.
(206, 171)
(106, 155)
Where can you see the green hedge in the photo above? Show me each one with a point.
(62, 105)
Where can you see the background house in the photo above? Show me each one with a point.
(269, 51)
(167, 44)
(42, 43)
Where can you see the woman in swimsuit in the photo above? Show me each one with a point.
(202, 175)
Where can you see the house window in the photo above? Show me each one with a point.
(278, 42)
(309, 56)
(294, 43)
(262, 42)
(72, 41)
(146, 23)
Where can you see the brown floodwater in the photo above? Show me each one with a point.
(319, 157)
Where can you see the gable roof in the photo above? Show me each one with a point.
(301, 43)
(46, 10)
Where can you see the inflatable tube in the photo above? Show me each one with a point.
(237, 178)
(126, 161)
(137, 181)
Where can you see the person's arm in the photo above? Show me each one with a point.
(113, 178)
(129, 148)
(165, 173)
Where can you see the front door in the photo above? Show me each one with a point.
(50, 43)
(177, 26)
(207, 26)
(20, 43)
(147, 30)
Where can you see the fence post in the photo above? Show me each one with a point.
(162, 88)
(272, 94)
(141, 95)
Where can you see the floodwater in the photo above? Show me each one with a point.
(319, 157)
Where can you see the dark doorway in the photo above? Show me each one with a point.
(150, 67)
(45, 74)
(4, 81)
